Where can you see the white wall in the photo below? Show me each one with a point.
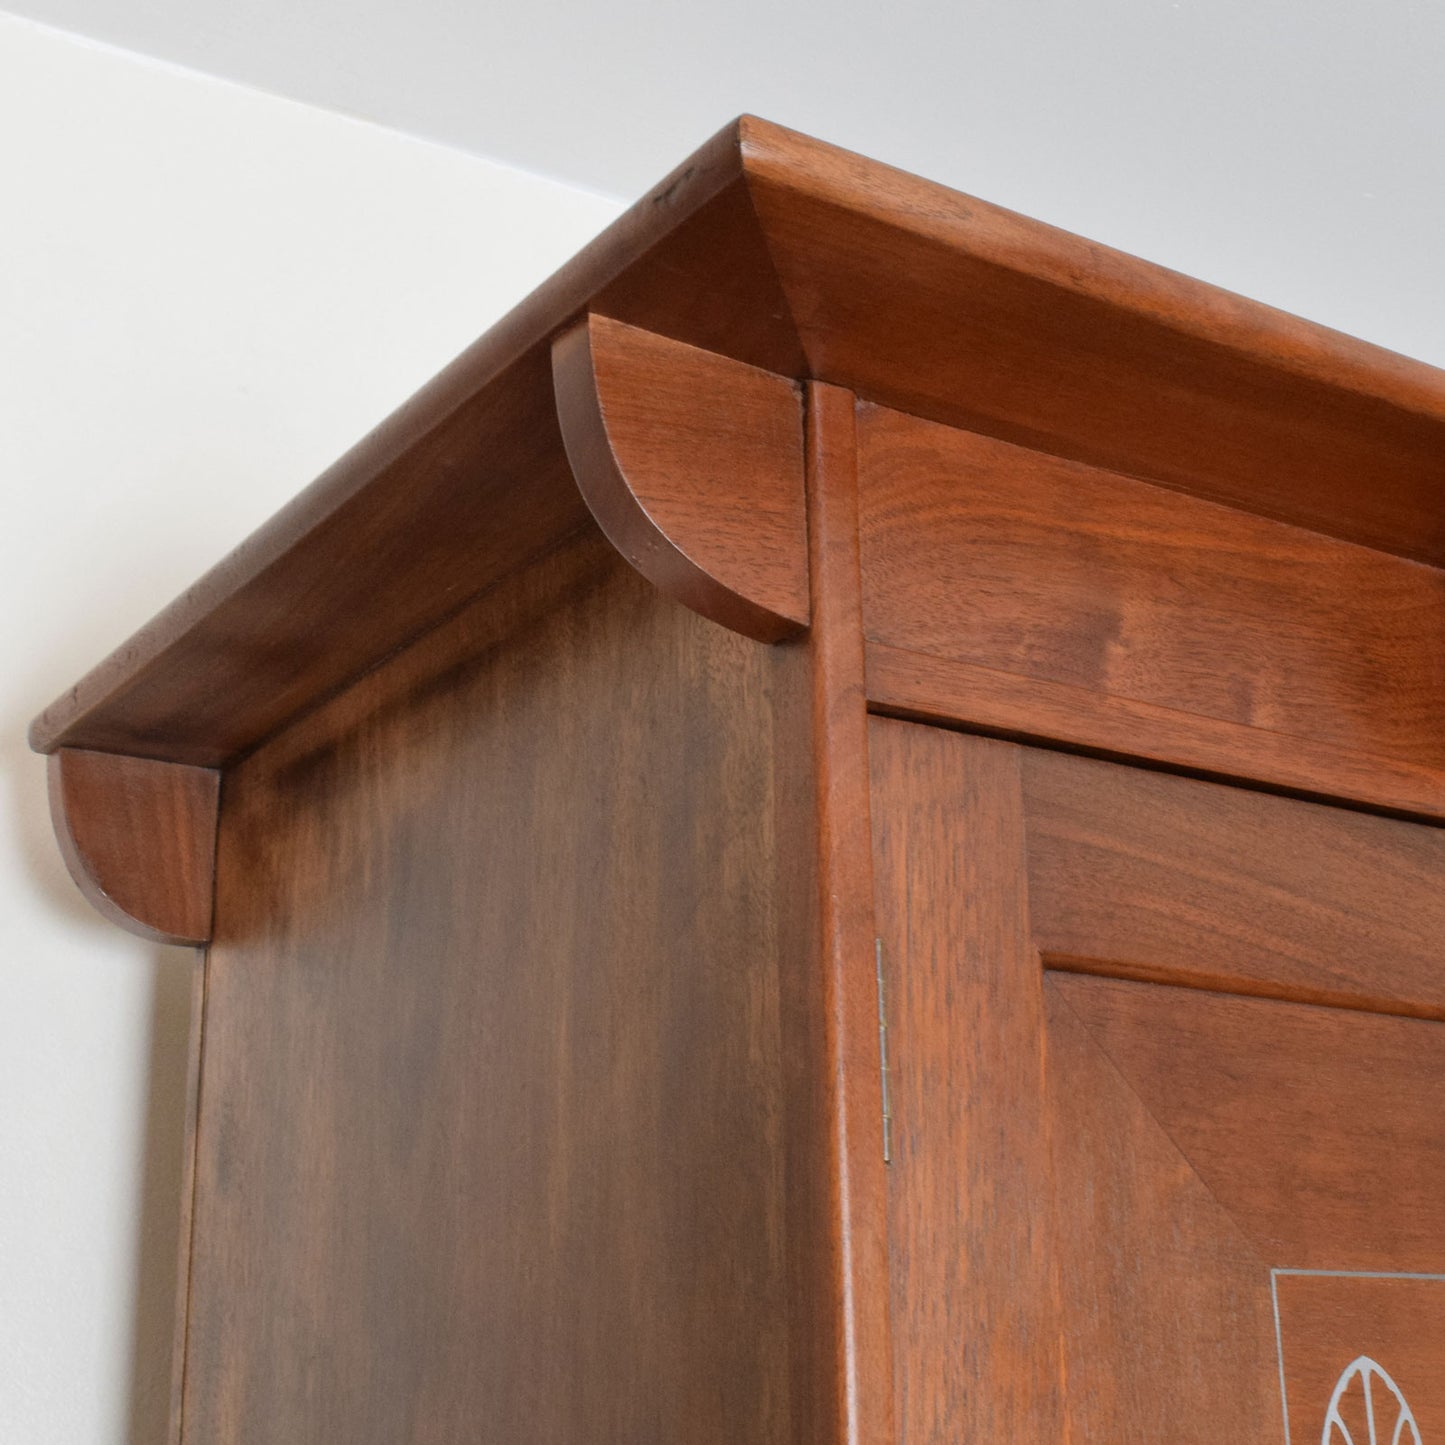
(206, 294)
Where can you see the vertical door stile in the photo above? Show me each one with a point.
(975, 1295)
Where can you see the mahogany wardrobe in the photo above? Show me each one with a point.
(832, 838)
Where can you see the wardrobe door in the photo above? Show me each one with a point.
(1168, 1096)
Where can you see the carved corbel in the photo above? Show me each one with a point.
(692, 465)
(139, 838)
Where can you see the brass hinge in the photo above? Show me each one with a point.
(883, 1054)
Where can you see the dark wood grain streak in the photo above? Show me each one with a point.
(1171, 878)
(940, 690)
(692, 465)
(492, 1134)
(139, 838)
(976, 1312)
(838, 1194)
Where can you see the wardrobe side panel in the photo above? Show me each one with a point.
(490, 1140)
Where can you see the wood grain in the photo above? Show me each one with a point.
(1169, 1333)
(184, 1238)
(540, 1090)
(785, 254)
(944, 306)
(139, 839)
(692, 464)
(990, 554)
(491, 1134)
(1097, 1177)
(1328, 1321)
(837, 1193)
(462, 486)
(926, 688)
(1188, 881)
(1317, 1129)
(976, 1308)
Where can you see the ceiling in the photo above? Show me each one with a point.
(1294, 151)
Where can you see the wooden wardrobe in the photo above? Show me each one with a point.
(832, 838)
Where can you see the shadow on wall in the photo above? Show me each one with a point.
(158, 1209)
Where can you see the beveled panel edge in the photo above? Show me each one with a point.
(923, 687)
(1227, 984)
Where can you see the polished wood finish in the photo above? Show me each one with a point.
(539, 1054)
(1146, 873)
(1104, 1164)
(789, 255)
(709, 511)
(941, 305)
(935, 689)
(1133, 594)
(184, 1235)
(459, 488)
(1406, 1314)
(840, 1293)
(975, 1308)
(1317, 1130)
(555, 1078)
(139, 838)
(1163, 1300)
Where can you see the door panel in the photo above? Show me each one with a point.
(1145, 1186)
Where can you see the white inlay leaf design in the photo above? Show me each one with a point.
(1366, 1392)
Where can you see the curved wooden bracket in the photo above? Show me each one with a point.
(139, 838)
(692, 464)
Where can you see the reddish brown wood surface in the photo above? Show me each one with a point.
(1167, 877)
(944, 306)
(1115, 1170)
(692, 465)
(1324, 1323)
(541, 1083)
(785, 254)
(937, 689)
(459, 488)
(838, 1196)
(492, 1127)
(1317, 1129)
(975, 1294)
(184, 1240)
(139, 838)
(997, 557)
(1164, 1298)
